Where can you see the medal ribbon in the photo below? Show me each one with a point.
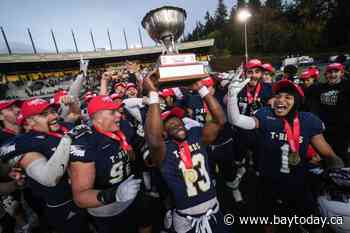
(9, 131)
(55, 134)
(117, 136)
(185, 154)
(293, 136)
(256, 94)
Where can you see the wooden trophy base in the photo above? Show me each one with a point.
(181, 75)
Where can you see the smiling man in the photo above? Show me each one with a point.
(331, 101)
(285, 134)
(43, 153)
(256, 93)
(102, 176)
(183, 161)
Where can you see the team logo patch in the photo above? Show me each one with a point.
(77, 150)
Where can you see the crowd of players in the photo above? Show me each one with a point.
(135, 157)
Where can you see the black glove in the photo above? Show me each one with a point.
(333, 162)
(79, 131)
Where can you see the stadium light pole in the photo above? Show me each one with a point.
(243, 15)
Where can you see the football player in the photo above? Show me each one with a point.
(183, 161)
(285, 134)
(101, 172)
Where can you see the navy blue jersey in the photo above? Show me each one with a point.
(5, 136)
(188, 194)
(112, 164)
(45, 145)
(333, 109)
(195, 103)
(249, 109)
(274, 146)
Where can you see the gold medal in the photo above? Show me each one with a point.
(191, 175)
(293, 158)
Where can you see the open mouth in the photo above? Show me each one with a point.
(280, 108)
(53, 123)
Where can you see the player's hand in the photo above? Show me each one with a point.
(67, 100)
(128, 189)
(18, 175)
(196, 86)
(237, 82)
(106, 76)
(79, 131)
(132, 67)
(10, 205)
(84, 66)
(150, 82)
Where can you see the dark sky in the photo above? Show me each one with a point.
(82, 15)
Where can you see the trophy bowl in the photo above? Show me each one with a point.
(167, 21)
(165, 26)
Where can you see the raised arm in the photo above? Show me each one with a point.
(153, 126)
(233, 114)
(211, 129)
(70, 112)
(106, 77)
(133, 105)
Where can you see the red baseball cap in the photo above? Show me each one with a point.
(88, 96)
(167, 92)
(209, 82)
(130, 85)
(102, 102)
(310, 73)
(34, 107)
(287, 83)
(175, 111)
(119, 84)
(253, 63)
(57, 97)
(334, 66)
(116, 96)
(268, 67)
(7, 103)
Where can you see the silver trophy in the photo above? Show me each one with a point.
(165, 26)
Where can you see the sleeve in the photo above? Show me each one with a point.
(82, 151)
(26, 144)
(314, 123)
(261, 115)
(13, 150)
(268, 93)
(196, 132)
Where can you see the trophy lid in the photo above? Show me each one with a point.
(165, 21)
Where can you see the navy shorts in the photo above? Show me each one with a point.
(138, 214)
(67, 218)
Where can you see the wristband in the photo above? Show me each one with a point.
(153, 98)
(107, 196)
(203, 91)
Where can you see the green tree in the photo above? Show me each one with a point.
(241, 3)
(209, 25)
(220, 15)
(274, 4)
(255, 4)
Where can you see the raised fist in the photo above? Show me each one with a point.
(150, 82)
